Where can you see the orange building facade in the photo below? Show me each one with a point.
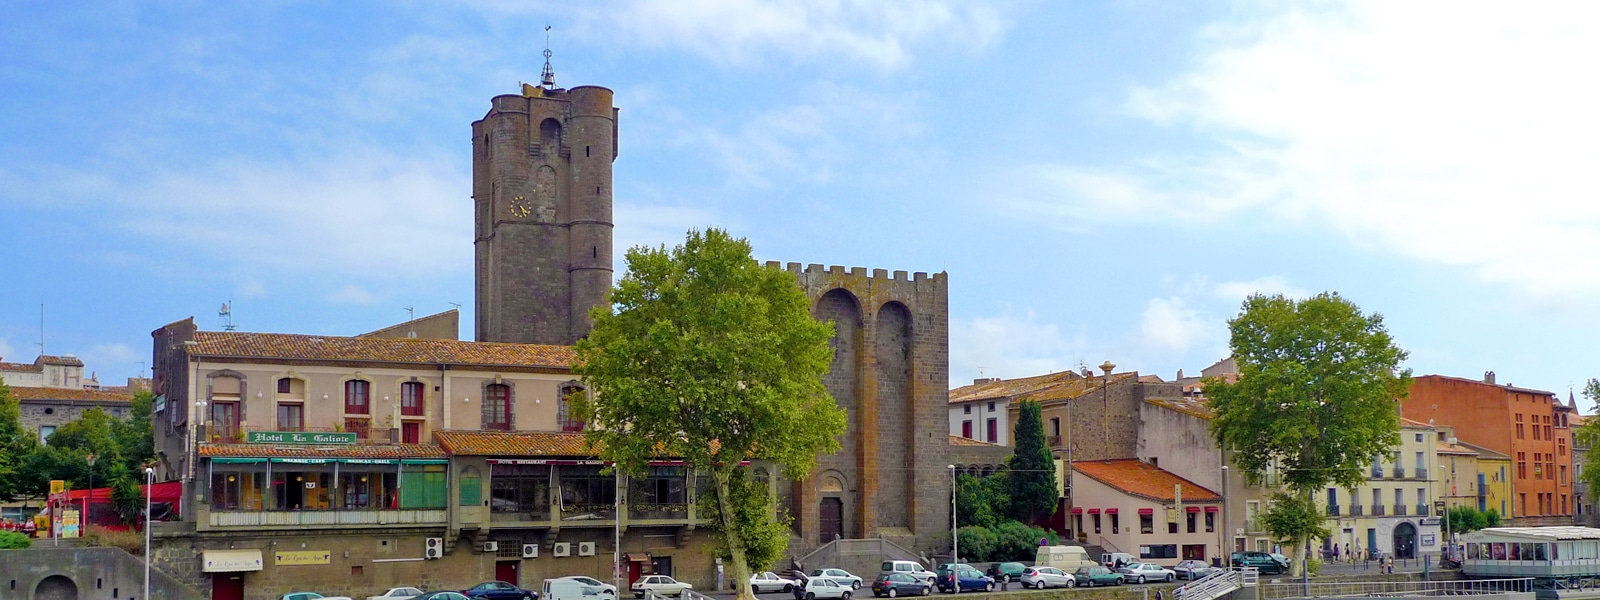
(1530, 426)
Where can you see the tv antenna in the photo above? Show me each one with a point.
(411, 313)
(226, 312)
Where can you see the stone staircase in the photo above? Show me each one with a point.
(1218, 584)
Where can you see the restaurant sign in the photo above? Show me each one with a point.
(299, 437)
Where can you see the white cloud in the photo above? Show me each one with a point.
(1010, 346)
(1274, 284)
(7, 353)
(1448, 133)
(1169, 325)
(352, 294)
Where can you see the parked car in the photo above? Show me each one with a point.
(590, 581)
(1282, 560)
(499, 590)
(660, 585)
(896, 584)
(1259, 560)
(440, 596)
(565, 588)
(1193, 569)
(1116, 560)
(1142, 572)
(767, 581)
(1006, 571)
(964, 576)
(1096, 576)
(311, 596)
(823, 588)
(399, 593)
(840, 575)
(909, 567)
(1046, 577)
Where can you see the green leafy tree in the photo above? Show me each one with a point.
(11, 540)
(1466, 518)
(763, 527)
(1034, 492)
(1491, 518)
(1588, 435)
(126, 495)
(713, 358)
(1315, 396)
(15, 445)
(1018, 541)
(134, 436)
(977, 543)
(1294, 520)
(982, 501)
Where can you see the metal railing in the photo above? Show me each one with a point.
(1377, 510)
(1333, 510)
(1399, 472)
(1422, 510)
(1355, 510)
(1217, 584)
(1460, 587)
(1399, 510)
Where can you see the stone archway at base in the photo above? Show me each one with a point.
(56, 587)
(1405, 540)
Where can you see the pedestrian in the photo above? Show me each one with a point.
(1158, 594)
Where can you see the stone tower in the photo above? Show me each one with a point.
(541, 183)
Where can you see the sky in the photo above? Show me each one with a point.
(1101, 180)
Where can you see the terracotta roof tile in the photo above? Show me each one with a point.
(39, 393)
(1075, 388)
(1142, 479)
(1006, 388)
(956, 440)
(513, 443)
(65, 361)
(350, 451)
(1197, 407)
(286, 346)
(1443, 448)
(20, 367)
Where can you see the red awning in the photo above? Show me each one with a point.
(1212, 509)
(1111, 511)
(1191, 509)
(1147, 511)
(1094, 511)
(1077, 510)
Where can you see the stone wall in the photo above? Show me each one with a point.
(93, 572)
(55, 413)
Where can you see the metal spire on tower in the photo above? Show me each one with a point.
(548, 78)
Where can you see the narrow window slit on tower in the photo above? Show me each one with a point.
(595, 250)
(585, 150)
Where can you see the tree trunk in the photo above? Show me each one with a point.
(740, 572)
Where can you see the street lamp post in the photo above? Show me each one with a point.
(88, 499)
(1222, 544)
(149, 488)
(955, 542)
(1449, 544)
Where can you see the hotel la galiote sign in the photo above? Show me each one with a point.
(300, 437)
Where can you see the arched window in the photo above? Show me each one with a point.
(497, 407)
(357, 397)
(566, 412)
(411, 394)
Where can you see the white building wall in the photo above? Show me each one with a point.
(978, 412)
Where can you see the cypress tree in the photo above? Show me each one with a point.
(1034, 492)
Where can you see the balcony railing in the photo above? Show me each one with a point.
(1054, 441)
(588, 512)
(1399, 472)
(649, 512)
(1252, 524)
(1377, 510)
(1422, 510)
(1399, 510)
(327, 518)
(1355, 510)
(1333, 510)
(1377, 472)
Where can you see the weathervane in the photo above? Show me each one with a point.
(548, 78)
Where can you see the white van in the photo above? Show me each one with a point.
(908, 567)
(1117, 560)
(569, 589)
(1066, 558)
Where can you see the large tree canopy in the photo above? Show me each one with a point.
(1316, 391)
(712, 358)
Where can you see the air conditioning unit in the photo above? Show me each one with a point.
(585, 548)
(433, 548)
(491, 546)
(562, 549)
(530, 551)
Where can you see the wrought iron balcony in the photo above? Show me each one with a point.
(1355, 510)
(1333, 510)
(1377, 510)
(1399, 472)
(1399, 510)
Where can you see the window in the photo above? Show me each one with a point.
(237, 490)
(661, 485)
(1055, 426)
(994, 431)
(991, 407)
(497, 406)
(1193, 521)
(1422, 468)
(291, 416)
(471, 492)
(1096, 520)
(1399, 497)
(966, 409)
(284, 385)
(225, 420)
(567, 413)
(1115, 526)
(1211, 522)
(1561, 446)
(1563, 480)
(411, 394)
(44, 433)
(1377, 499)
(1538, 465)
(586, 490)
(966, 429)
(1147, 523)
(1519, 427)
(1523, 501)
(1522, 465)
(411, 433)
(1159, 551)
(520, 489)
(357, 396)
(1419, 438)
(1563, 504)
(1172, 526)
(366, 489)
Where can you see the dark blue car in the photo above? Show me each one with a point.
(500, 590)
(968, 577)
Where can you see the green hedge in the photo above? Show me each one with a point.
(1006, 541)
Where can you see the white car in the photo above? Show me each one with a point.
(311, 596)
(660, 585)
(605, 588)
(908, 567)
(1142, 572)
(823, 588)
(767, 581)
(1046, 577)
(399, 593)
(840, 575)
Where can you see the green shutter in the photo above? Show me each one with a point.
(422, 486)
(471, 490)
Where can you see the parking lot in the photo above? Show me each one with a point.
(1013, 587)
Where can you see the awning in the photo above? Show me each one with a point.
(237, 460)
(1111, 511)
(1191, 509)
(1147, 511)
(230, 561)
(1213, 509)
(1094, 511)
(1077, 510)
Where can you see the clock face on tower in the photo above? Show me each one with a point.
(520, 207)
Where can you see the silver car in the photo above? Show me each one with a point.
(1193, 569)
(1046, 577)
(840, 575)
(767, 581)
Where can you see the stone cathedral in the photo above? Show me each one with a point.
(542, 175)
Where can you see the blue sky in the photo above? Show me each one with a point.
(1101, 181)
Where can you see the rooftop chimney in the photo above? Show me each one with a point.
(1488, 377)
